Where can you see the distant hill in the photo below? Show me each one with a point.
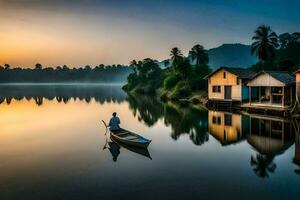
(231, 55)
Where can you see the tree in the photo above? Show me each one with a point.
(265, 42)
(166, 63)
(65, 67)
(183, 69)
(87, 68)
(287, 56)
(149, 68)
(6, 66)
(295, 37)
(133, 64)
(176, 55)
(38, 66)
(199, 54)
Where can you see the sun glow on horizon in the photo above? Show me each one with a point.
(56, 33)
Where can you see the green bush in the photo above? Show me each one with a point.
(170, 81)
(181, 90)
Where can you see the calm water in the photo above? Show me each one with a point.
(53, 147)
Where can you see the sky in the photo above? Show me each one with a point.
(93, 32)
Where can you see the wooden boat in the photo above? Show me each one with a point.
(130, 138)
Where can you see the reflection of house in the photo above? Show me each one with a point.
(297, 73)
(229, 84)
(271, 90)
(270, 136)
(225, 127)
(297, 150)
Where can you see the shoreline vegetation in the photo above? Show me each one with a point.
(178, 81)
(182, 78)
(64, 74)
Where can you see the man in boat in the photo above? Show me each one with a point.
(114, 122)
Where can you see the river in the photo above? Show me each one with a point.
(53, 146)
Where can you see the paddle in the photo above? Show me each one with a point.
(106, 141)
(105, 126)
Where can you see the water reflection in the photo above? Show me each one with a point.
(62, 93)
(227, 128)
(182, 120)
(114, 148)
(296, 159)
(56, 149)
(148, 109)
(268, 136)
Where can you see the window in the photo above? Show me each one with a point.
(237, 81)
(216, 120)
(216, 89)
(276, 90)
(224, 74)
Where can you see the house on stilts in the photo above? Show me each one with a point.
(266, 91)
(271, 90)
(228, 86)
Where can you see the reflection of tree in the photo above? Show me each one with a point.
(62, 93)
(182, 120)
(38, 100)
(263, 165)
(148, 108)
(8, 100)
(296, 159)
(187, 120)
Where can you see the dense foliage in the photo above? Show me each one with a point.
(276, 52)
(181, 76)
(101, 73)
(146, 78)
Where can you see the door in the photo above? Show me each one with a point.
(227, 95)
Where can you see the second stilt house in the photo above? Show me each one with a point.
(271, 90)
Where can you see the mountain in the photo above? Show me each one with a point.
(231, 55)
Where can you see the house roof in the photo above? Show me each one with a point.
(282, 76)
(239, 72)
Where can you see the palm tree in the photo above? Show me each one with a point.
(199, 54)
(176, 55)
(265, 41)
(262, 165)
(183, 68)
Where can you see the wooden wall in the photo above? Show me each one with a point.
(265, 80)
(230, 80)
